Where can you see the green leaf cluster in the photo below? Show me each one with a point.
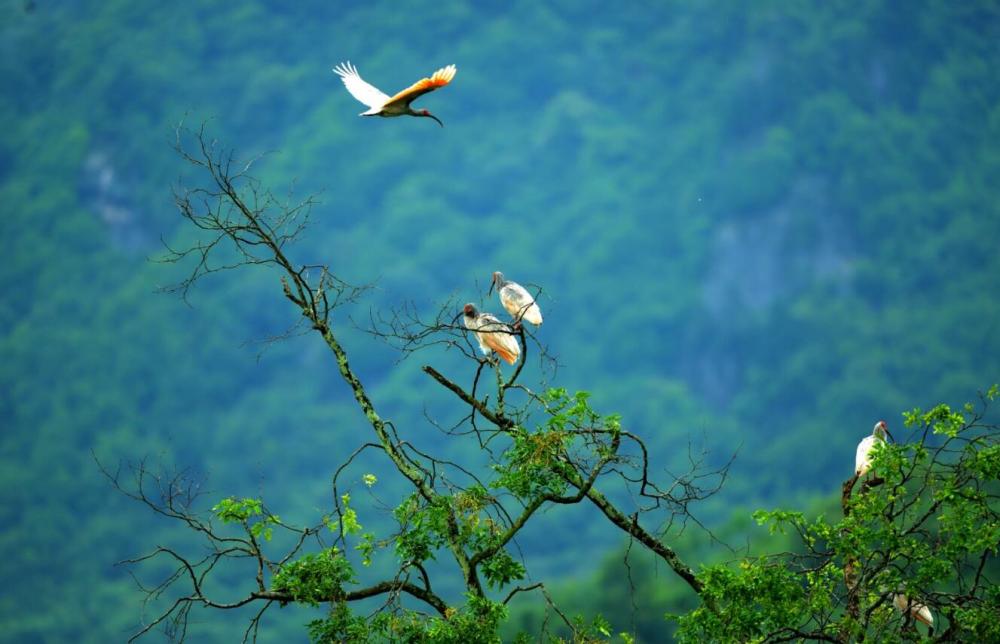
(476, 622)
(315, 577)
(531, 466)
(424, 526)
(248, 512)
(751, 600)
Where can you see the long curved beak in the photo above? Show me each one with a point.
(435, 118)
(889, 435)
(492, 284)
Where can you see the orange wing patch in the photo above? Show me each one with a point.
(506, 355)
(502, 342)
(440, 78)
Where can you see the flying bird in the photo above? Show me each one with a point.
(516, 299)
(918, 611)
(492, 334)
(380, 104)
(863, 457)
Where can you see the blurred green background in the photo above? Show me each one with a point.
(758, 227)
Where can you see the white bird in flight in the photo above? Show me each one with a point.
(863, 456)
(492, 334)
(516, 300)
(380, 104)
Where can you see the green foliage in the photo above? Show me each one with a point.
(501, 569)
(476, 623)
(596, 629)
(985, 462)
(924, 524)
(776, 520)
(531, 465)
(534, 465)
(343, 626)
(248, 512)
(426, 526)
(232, 509)
(349, 517)
(366, 546)
(756, 598)
(980, 620)
(315, 577)
(423, 527)
(941, 418)
(569, 411)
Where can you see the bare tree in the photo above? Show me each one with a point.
(545, 447)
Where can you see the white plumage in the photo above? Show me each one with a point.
(492, 334)
(368, 94)
(918, 611)
(517, 300)
(863, 456)
(381, 104)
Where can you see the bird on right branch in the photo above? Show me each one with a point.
(516, 300)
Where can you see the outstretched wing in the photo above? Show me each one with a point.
(370, 95)
(440, 78)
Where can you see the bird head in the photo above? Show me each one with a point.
(881, 430)
(469, 310)
(430, 116)
(497, 280)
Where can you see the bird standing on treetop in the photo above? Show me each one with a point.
(380, 104)
(492, 334)
(863, 457)
(517, 300)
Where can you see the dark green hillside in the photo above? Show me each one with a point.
(756, 226)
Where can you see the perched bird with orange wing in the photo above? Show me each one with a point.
(492, 334)
(916, 609)
(380, 104)
(516, 300)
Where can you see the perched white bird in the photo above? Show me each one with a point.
(863, 457)
(380, 104)
(492, 334)
(918, 611)
(516, 299)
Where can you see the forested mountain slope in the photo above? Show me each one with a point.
(756, 226)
